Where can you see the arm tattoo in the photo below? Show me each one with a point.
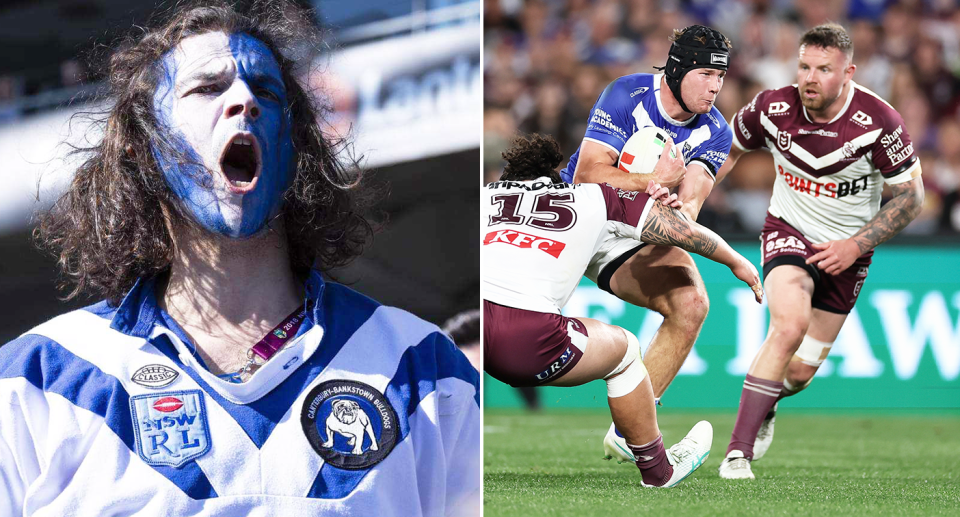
(666, 226)
(893, 216)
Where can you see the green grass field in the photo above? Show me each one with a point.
(820, 463)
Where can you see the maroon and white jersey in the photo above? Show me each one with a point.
(828, 174)
(538, 237)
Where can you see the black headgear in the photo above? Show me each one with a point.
(697, 47)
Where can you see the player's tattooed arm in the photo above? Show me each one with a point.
(894, 216)
(834, 257)
(669, 227)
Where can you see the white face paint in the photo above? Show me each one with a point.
(223, 102)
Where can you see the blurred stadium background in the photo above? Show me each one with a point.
(403, 75)
(545, 64)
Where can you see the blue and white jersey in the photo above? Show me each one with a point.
(633, 102)
(368, 410)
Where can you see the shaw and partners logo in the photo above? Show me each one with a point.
(524, 240)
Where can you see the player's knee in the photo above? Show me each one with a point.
(629, 373)
(688, 306)
(787, 338)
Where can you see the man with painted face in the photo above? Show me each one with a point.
(213, 377)
(835, 144)
(661, 278)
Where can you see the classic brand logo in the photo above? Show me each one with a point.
(777, 108)
(639, 91)
(349, 424)
(523, 240)
(171, 427)
(155, 376)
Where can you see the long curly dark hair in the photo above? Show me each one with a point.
(529, 158)
(113, 225)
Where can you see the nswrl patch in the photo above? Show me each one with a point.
(350, 424)
(170, 427)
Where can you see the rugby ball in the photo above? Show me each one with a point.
(642, 151)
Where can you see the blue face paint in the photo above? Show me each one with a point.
(212, 88)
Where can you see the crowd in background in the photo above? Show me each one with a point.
(546, 62)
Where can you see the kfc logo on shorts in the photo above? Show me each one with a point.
(349, 424)
(777, 108)
(784, 140)
(862, 118)
(523, 240)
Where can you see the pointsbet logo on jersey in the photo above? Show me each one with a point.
(350, 424)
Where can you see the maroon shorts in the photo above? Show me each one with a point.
(527, 348)
(781, 244)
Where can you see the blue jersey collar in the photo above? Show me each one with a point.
(138, 312)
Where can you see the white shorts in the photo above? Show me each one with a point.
(612, 247)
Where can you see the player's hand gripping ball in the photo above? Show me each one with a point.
(642, 151)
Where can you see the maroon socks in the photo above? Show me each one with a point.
(758, 396)
(655, 469)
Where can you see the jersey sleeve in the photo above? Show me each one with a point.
(715, 150)
(626, 206)
(13, 433)
(610, 118)
(893, 153)
(459, 420)
(747, 133)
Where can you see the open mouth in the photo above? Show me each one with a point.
(240, 162)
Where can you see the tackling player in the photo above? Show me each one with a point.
(679, 101)
(834, 145)
(222, 375)
(539, 234)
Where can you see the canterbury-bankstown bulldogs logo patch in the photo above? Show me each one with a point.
(350, 424)
(170, 427)
(155, 376)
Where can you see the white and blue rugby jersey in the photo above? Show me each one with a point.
(367, 411)
(633, 102)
